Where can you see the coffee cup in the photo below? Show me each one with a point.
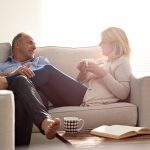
(97, 61)
(73, 124)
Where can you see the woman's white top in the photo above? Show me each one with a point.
(111, 88)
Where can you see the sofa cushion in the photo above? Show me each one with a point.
(5, 50)
(140, 96)
(94, 116)
(67, 58)
(116, 113)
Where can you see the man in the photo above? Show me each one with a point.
(28, 106)
(46, 78)
(23, 60)
(24, 75)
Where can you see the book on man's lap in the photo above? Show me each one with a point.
(119, 131)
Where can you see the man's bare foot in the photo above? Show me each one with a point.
(3, 83)
(50, 127)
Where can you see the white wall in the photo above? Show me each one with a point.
(19, 16)
(75, 22)
(79, 23)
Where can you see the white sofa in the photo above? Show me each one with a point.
(7, 121)
(135, 112)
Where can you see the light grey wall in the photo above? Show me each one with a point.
(19, 16)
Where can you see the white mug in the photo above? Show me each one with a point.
(71, 124)
(98, 61)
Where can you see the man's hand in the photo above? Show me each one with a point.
(24, 70)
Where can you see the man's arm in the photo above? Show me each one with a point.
(5, 73)
(23, 70)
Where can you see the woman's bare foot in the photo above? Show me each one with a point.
(3, 83)
(50, 127)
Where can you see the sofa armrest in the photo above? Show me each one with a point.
(7, 120)
(140, 96)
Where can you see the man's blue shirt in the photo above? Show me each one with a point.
(35, 63)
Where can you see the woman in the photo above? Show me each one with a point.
(111, 82)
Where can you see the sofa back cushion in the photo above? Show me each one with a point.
(64, 58)
(5, 50)
(67, 58)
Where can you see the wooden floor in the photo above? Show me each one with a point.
(84, 140)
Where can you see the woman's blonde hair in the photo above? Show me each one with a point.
(119, 39)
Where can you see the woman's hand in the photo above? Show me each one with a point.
(96, 69)
(83, 73)
(82, 66)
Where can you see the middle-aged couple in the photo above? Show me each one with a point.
(29, 77)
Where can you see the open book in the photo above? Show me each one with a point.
(119, 131)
